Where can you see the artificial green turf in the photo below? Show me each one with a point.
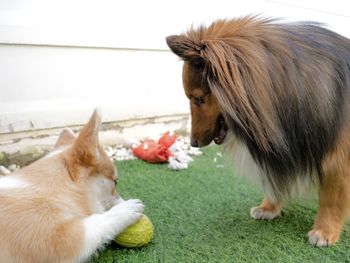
(202, 215)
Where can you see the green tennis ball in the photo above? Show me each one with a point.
(136, 235)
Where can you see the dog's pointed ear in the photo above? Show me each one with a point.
(66, 137)
(185, 48)
(86, 146)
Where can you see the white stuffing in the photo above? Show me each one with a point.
(120, 153)
(131, 142)
(8, 170)
(218, 160)
(181, 152)
(194, 151)
(13, 167)
(176, 165)
(4, 170)
(182, 157)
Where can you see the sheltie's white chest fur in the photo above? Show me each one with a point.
(245, 166)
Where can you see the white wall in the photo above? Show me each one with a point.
(60, 59)
(46, 87)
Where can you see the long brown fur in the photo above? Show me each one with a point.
(283, 90)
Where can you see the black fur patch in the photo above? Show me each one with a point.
(308, 137)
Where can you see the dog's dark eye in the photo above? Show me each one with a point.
(199, 100)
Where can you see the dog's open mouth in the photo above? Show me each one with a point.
(221, 130)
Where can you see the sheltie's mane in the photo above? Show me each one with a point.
(283, 89)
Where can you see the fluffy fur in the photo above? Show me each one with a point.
(64, 207)
(282, 89)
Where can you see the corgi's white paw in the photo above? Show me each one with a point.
(127, 212)
(261, 213)
(132, 204)
(102, 228)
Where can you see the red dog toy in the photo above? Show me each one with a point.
(155, 152)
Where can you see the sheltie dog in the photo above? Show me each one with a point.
(63, 207)
(282, 90)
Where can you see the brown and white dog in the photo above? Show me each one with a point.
(282, 90)
(63, 207)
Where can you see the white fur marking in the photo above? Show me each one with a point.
(316, 239)
(9, 182)
(245, 166)
(118, 200)
(102, 228)
(260, 213)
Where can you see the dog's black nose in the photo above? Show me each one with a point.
(194, 143)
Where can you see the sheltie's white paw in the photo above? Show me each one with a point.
(261, 213)
(319, 238)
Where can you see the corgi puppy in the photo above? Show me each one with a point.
(64, 207)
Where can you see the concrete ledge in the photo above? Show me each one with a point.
(25, 147)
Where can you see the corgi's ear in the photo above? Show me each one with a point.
(86, 146)
(186, 48)
(66, 137)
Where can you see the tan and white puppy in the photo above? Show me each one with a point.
(63, 207)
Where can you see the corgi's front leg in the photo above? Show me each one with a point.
(99, 229)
